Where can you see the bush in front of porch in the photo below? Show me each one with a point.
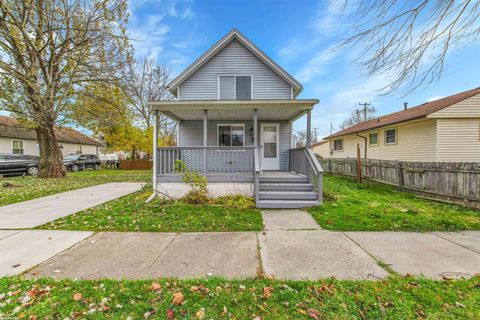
(132, 213)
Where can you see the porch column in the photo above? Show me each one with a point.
(309, 128)
(155, 144)
(205, 130)
(255, 128)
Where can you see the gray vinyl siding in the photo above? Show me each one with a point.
(234, 59)
(191, 135)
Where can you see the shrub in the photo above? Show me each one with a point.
(236, 201)
(198, 184)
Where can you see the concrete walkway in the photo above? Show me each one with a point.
(22, 250)
(32, 213)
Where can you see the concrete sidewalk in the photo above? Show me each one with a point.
(32, 213)
(299, 254)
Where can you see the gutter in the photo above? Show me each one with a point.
(366, 141)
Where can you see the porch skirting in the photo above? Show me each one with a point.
(176, 190)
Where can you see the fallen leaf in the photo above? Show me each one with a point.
(314, 314)
(200, 314)
(177, 299)
(193, 289)
(170, 314)
(77, 296)
(267, 292)
(155, 286)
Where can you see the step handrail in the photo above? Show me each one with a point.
(307, 164)
(257, 170)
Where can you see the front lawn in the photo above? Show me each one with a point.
(394, 298)
(132, 213)
(16, 189)
(369, 206)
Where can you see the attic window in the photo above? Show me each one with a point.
(235, 87)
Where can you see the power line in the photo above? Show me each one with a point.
(365, 105)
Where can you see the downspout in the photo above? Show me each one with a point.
(366, 141)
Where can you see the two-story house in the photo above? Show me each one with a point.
(235, 107)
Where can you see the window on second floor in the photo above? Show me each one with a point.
(235, 87)
(338, 145)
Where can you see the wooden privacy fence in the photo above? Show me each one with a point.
(136, 164)
(457, 182)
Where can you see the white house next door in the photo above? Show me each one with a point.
(269, 144)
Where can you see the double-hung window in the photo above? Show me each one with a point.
(338, 145)
(17, 147)
(391, 136)
(231, 135)
(373, 139)
(235, 87)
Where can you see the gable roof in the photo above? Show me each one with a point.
(234, 34)
(11, 128)
(319, 143)
(413, 113)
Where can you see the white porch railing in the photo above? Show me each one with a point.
(303, 161)
(222, 163)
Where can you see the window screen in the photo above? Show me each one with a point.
(390, 136)
(17, 147)
(373, 138)
(227, 87)
(244, 88)
(338, 145)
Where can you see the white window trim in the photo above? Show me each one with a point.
(235, 84)
(385, 137)
(231, 125)
(372, 144)
(333, 145)
(23, 145)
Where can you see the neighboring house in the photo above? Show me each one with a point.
(322, 148)
(235, 107)
(446, 129)
(17, 139)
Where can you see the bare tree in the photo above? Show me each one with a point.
(358, 116)
(51, 49)
(146, 81)
(301, 138)
(409, 40)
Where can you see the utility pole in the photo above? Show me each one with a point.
(315, 134)
(365, 105)
(331, 127)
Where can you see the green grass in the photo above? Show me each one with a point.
(395, 298)
(16, 189)
(132, 213)
(373, 207)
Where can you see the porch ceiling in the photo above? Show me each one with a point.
(285, 110)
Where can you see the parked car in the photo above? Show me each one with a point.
(18, 164)
(76, 162)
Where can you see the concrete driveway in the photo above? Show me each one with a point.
(32, 213)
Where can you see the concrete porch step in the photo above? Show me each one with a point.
(288, 195)
(286, 187)
(286, 204)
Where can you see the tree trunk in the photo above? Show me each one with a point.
(51, 159)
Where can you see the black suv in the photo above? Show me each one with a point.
(75, 162)
(18, 164)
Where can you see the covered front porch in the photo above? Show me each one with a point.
(237, 142)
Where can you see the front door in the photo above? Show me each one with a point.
(269, 144)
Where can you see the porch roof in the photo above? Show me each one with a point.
(285, 110)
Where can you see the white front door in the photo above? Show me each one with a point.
(270, 146)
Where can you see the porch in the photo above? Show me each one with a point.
(242, 142)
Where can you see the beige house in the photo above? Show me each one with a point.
(321, 148)
(17, 139)
(447, 129)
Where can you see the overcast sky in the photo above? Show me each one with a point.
(299, 35)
